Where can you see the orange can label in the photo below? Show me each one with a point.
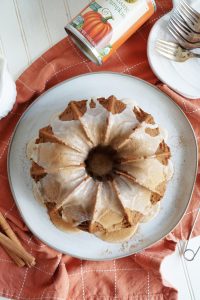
(107, 24)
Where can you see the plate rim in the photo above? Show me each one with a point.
(38, 99)
(152, 66)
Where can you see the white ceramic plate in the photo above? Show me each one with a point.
(181, 77)
(181, 140)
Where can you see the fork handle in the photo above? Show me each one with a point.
(194, 54)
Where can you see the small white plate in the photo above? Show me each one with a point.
(181, 141)
(183, 77)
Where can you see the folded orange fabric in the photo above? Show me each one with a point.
(57, 276)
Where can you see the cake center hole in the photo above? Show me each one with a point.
(100, 162)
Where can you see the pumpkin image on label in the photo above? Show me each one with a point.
(104, 25)
(97, 28)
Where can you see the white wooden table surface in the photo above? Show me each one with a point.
(27, 29)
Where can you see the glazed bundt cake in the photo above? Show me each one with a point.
(101, 166)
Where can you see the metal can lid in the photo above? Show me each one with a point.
(83, 44)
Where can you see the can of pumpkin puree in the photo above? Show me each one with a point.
(104, 25)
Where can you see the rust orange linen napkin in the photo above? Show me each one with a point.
(57, 276)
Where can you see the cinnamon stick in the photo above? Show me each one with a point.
(8, 230)
(10, 233)
(19, 262)
(17, 250)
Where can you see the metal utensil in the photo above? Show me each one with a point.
(189, 15)
(185, 44)
(184, 25)
(189, 254)
(174, 51)
(183, 29)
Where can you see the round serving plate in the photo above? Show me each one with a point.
(181, 77)
(166, 113)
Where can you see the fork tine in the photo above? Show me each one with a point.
(171, 30)
(185, 17)
(188, 15)
(167, 44)
(170, 51)
(178, 25)
(190, 9)
(180, 20)
(191, 16)
(166, 49)
(164, 52)
(180, 40)
(185, 44)
(172, 57)
(178, 30)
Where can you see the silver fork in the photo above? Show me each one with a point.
(174, 51)
(190, 16)
(183, 29)
(181, 40)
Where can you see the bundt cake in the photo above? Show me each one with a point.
(101, 166)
